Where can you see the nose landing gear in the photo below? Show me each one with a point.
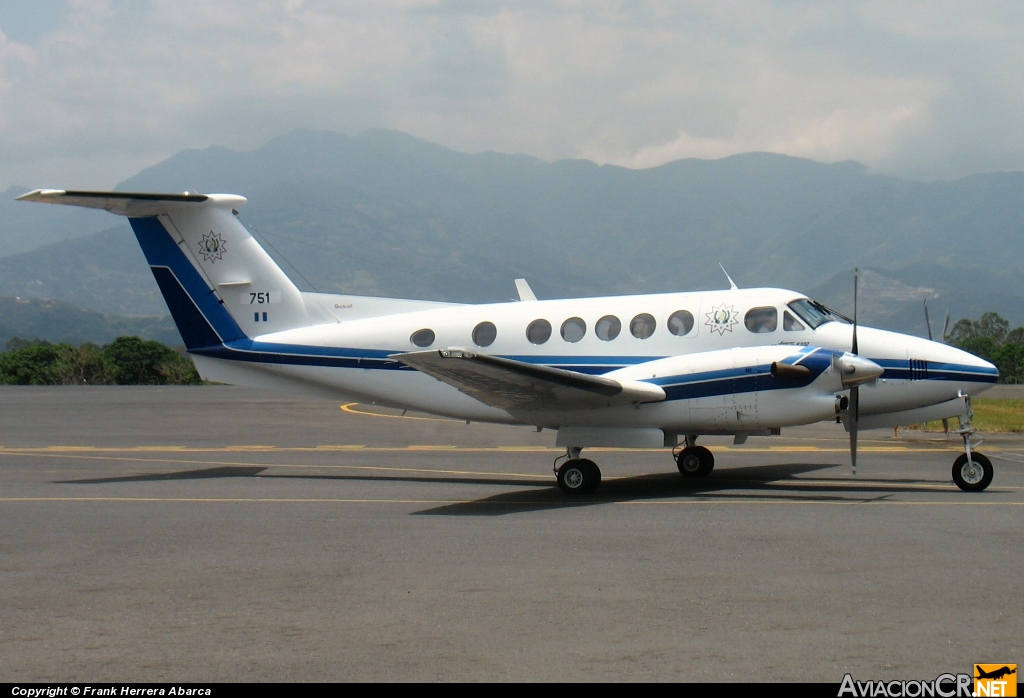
(972, 472)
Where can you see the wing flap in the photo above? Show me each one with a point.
(516, 385)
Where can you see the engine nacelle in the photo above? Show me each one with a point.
(752, 388)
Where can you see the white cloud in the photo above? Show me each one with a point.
(913, 89)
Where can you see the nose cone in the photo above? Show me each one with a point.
(975, 372)
(856, 370)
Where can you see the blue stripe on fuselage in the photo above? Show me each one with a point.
(899, 369)
(709, 383)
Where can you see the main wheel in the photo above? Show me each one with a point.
(973, 476)
(695, 461)
(579, 476)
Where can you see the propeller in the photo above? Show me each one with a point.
(855, 390)
(945, 326)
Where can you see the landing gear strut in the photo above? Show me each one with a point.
(972, 472)
(577, 475)
(693, 460)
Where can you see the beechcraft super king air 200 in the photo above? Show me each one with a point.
(637, 371)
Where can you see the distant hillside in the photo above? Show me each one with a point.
(384, 213)
(58, 321)
(105, 271)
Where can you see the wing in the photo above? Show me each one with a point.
(516, 385)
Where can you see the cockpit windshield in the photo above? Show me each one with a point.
(815, 314)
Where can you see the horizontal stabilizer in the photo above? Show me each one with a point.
(124, 203)
(516, 385)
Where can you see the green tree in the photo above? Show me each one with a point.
(31, 365)
(133, 361)
(990, 325)
(1009, 359)
(991, 338)
(126, 361)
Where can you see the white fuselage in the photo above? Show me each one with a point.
(354, 364)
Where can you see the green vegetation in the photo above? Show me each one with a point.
(998, 415)
(991, 338)
(125, 361)
(989, 415)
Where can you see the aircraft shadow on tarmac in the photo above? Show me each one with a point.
(777, 482)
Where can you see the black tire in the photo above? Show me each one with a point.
(974, 476)
(579, 476)
(695, 461)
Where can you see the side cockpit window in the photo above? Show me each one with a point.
(790, 323)
(763, 319)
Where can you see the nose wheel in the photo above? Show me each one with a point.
(972, 474)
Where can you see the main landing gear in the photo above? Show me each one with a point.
(693, 460)
(577, 475)
(972, 472)
(582, 476)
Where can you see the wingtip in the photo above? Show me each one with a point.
(39, 194)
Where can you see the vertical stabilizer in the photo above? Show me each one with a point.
(219, 283)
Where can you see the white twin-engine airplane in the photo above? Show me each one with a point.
(623, 371)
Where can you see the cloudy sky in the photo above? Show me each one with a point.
(91, 91)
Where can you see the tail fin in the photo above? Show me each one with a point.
(218, 282)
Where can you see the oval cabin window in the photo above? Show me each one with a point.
(608, 328)
(574, 329)
(484, 334)
(422, 338)
(539, 331)
(642, 326)
(680, 322)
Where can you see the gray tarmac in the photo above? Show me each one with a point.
(223, 534)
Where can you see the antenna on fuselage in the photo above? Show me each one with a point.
(732, 284)
(525, 292)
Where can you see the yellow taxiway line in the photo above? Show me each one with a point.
(703, 501)
(326, 448)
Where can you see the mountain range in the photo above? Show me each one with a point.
(384, 213)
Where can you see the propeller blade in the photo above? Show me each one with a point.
(927, 321)
(855, 275)
(945, 326)
(854, 391)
